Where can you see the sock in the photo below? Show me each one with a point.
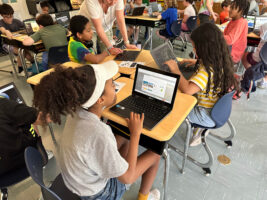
(142, 196)
(20, 69)
(197, 131)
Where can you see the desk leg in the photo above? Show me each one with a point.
(23, 62)
(166, 171)
(151, 37)
(11, 57)
(36, 63)
(186, 145)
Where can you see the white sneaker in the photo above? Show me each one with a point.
(195, 140)
(22, 73)
(154, 195)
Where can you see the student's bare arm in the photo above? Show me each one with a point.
(28, 41)
(95, 59)
(6, 32)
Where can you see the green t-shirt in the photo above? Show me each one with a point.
(52, 36)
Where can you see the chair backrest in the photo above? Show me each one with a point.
(176, 27)
(34, 165)
(221, 111)
(58, 55)
(191, 23)
(263, 53)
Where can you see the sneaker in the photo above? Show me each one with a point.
(154, 195)
(22, 73)
(49, 154)
(262, 84)
(196, 139)
(237, 96)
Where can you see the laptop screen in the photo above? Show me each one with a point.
(63, 18)
(260, 21)
(251, 21)
(31, 26)
(156, 85)
(11, 90)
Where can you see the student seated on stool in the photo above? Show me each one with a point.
(94, 163)
(51, 34)
(213, 79)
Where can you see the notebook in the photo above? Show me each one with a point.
(163, 53)
(11, 90)
(153, 94)
(63, 18)
(137, 11)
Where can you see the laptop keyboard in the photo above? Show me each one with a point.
(141, 105)
(127, 56)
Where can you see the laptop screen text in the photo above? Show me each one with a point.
(155, 85)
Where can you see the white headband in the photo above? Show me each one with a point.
(103, 72)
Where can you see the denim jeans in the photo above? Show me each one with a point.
(201, 116)
(112, 191)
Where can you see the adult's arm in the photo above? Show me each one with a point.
(209, 7)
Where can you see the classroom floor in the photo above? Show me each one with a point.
(244, 179)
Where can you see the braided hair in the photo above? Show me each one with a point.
(63, 91)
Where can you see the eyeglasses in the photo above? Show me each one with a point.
(7, 16)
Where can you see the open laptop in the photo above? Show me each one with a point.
(11, 90)
(251, 23)
(63, 18)
(163, 53)
(153, 94)
(138, 11)
(31, 26)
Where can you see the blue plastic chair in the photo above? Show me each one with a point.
(58, 55)
(58, 190)
(191, 25)
(220, 114)
(176, 29)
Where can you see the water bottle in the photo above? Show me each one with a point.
(149, 10)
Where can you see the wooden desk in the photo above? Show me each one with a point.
(34, 80)
(167, 127)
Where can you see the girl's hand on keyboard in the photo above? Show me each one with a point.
(190, 62)
(135, 123)
(172, 64)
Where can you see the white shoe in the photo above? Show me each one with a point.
(22, 73)
(154, 195)
(195, 140)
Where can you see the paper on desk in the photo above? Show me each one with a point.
(118, 86)
(130, 64)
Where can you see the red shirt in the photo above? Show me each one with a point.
(235, 35)
(224, 17)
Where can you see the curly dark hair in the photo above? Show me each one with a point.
(77, 24)
(241, 5)
(63, 91)
(214, 54)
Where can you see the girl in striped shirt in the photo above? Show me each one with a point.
(213, 78)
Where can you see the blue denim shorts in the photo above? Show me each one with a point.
(113, 190)
(201, 116)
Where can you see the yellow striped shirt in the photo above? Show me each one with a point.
(201, 80)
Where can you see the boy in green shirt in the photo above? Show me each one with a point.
(51, 34)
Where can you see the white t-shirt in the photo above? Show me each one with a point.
(88, 155)
(93, 10)
(190, 11)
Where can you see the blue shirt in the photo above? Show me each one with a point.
(170, 15)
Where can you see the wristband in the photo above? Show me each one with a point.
(126, 42)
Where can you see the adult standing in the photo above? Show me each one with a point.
(206, 11)
(102, 14)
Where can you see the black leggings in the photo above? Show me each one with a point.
(11, 163)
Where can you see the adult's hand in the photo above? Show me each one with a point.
(130, 46)
(115, 51)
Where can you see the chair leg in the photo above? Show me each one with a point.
(205, 166)
(166, 172)
(4, 194)
(227, 140)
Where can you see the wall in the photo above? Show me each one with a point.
(21, 10)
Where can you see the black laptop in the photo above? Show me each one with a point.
(63, 18)
(31, 26)
(127, 55)
(153, 94)
(137, 11)
(11, 90)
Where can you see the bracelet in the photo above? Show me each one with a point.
(126, 42)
